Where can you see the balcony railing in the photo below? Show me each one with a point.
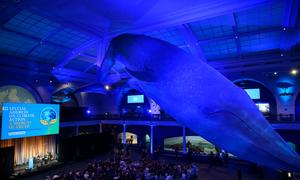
(282, 118)
(272, 118)
(152, 117)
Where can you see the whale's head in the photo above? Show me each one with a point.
(144, 57)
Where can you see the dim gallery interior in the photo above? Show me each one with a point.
(152, 89)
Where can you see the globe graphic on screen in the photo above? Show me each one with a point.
(48, 114)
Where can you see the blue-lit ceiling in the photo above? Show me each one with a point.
(78, 64)
(213, 28)
(31, 24)
(41, 36)
(170, 35)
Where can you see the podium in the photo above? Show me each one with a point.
(30, 164)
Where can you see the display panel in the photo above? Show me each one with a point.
(135, 99)
(195, 143)
(263, 107)
(24, 120)
(253, 93)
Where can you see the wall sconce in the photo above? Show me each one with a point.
(285, 86)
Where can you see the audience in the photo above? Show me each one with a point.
(122, 167)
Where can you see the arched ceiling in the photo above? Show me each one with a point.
(69, 38)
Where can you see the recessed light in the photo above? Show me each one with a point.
(294, 72)
(107, 87)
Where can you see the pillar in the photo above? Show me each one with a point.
(100, 128)
(184, 140)
(151, 139)
(124, 133)
(77, 131)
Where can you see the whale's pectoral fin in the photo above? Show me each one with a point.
(145, 75)
(106, 65)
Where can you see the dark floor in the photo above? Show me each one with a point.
(206, 171)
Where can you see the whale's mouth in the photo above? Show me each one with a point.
(147, 74)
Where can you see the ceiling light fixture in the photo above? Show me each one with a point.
(107, 87)
(294, 72)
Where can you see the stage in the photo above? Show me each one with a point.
(22, 171)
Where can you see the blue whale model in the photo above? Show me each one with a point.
(202, 99)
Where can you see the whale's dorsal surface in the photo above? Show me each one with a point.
(202, 99)
(146, 74)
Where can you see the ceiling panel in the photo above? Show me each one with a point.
(92, 51)
(48, 53)
(220, 49)
(31, 24)
(93, 70)
(14, 44)
(77, 64)
(69, 38)
(170, 35)
(260, 42)
(213, 27)
(261, 17)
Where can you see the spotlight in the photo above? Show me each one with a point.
(107, 87)
(50, 81)
(289, 174)
(281, 55)
(275, 73)
(149, 110)
(88, 112)
(294, 72)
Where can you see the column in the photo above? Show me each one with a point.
(124, 133)
(184, 139)
(100, 128)
(151, 139)
(77, 131)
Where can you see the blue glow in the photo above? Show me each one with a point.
(286, 99)
(24, 120)
(88, 112)
(135, 99)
